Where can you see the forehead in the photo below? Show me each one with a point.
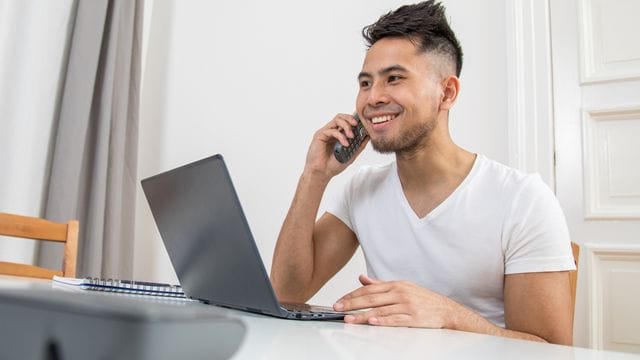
(395, 51)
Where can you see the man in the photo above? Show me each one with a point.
(451, 239)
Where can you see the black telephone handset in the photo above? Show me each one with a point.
(342, 153)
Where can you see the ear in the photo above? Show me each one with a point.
(450, 91)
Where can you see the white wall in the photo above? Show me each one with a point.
(253, 80)
(30, 31)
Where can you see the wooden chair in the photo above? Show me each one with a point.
(40, 229)
(573, 275)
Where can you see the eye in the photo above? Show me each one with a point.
(364, 84)
(394, 78)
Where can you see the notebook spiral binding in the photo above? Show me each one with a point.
(133, 287)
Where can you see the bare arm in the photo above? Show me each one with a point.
(540, 304)
(537, 307)
(307, 253)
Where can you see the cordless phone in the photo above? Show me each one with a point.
(342, 153)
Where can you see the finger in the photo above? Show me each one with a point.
(341, 124)
(349, 118)
(341, 136)
(366, 280)
(344, 122)
(367, 301)
(330, 134)
(375, 288)
(391, 320)
(377, 313)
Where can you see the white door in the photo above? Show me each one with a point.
(596, 92)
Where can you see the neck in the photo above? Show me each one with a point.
(439, 161)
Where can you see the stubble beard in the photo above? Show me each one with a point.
(410, 140)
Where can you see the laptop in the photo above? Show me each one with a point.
(210, 245)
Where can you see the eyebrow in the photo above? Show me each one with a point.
(384, 71)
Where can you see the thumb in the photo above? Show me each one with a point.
(366, 280)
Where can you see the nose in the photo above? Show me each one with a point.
(377, 95)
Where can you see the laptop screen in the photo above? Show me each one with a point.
(207, 236)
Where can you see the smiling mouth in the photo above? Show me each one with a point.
(383, 119)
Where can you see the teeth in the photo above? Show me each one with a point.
(381, 119)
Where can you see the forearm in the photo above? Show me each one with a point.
(293, 260)
(464, 319)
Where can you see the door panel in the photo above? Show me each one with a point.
(596, 87)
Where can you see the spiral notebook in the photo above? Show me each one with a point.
(123, 286)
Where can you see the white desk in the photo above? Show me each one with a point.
(272, 338)
(269, 338)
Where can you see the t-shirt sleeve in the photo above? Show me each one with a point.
(339, 204)
(536, 234)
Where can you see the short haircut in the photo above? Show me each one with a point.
(425, 24)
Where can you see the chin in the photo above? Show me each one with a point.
(384, 147)
(405, 145)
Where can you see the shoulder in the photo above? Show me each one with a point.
(509, 181)
(500, 173)
(535, 237)
(372, 176)
(365, 183)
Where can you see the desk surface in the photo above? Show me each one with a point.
(272, 338)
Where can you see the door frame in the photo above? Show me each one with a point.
(530, 88)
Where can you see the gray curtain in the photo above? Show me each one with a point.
(94, 146)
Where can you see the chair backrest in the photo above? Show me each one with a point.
(573, 275)
(39, 229)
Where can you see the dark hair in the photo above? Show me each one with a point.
(424, 23)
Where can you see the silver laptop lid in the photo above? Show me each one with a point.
(207, 236)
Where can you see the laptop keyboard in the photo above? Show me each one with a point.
(309, 310)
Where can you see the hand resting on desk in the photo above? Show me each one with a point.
(396, 303)
(402, 303)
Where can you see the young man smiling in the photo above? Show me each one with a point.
(451, 239)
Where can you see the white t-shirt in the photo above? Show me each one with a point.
(498, 221)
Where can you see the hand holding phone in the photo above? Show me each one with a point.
(344, 153)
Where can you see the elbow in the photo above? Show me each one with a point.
(559, 337)
(565, 339)
(288, 291)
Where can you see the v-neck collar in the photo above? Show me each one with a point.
(397, 185)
